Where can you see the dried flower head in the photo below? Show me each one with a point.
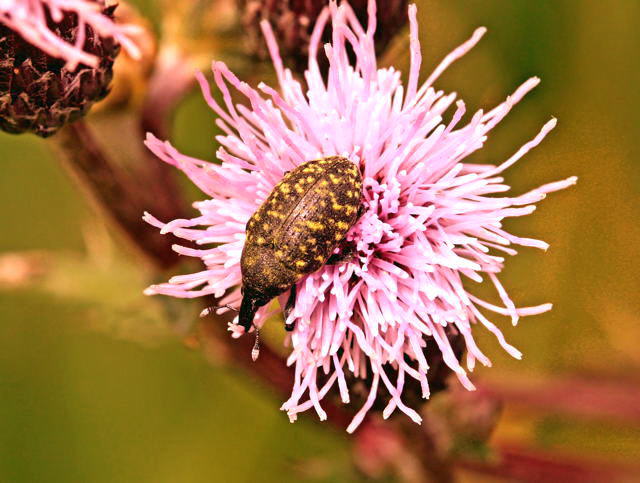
(54, 62)
(50, 26)
(293, 22)
(432, 225)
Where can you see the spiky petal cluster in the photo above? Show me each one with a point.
(37, 22)
(432, 225)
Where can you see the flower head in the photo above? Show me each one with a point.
(432, 224)
(45, 24)
(56, 61)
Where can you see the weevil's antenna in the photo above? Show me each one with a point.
(209, 310)
(255, 352)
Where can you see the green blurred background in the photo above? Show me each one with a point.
(96, 385)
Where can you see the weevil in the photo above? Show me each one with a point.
(296, 230)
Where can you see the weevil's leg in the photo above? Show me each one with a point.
(291, 301)
(361, 210)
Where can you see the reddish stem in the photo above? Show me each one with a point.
(593, 399)
(121, 197)
(528, 465)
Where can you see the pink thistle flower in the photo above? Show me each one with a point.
(35, 21)
(432, 225)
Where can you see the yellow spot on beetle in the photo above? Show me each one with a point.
(314, 225)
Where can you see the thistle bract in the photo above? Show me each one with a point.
(431, 228)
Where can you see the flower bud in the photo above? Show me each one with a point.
(293, 21)
(40, 93)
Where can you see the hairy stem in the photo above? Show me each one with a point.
(117, 193)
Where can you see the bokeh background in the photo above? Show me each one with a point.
(98, 384)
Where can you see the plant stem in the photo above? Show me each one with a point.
(119, 195)
(525, 464)
(598, 399)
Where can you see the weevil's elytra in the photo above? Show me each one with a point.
(296, 229)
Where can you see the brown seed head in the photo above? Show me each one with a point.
(38, 93)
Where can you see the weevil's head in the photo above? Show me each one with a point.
(252, 300)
